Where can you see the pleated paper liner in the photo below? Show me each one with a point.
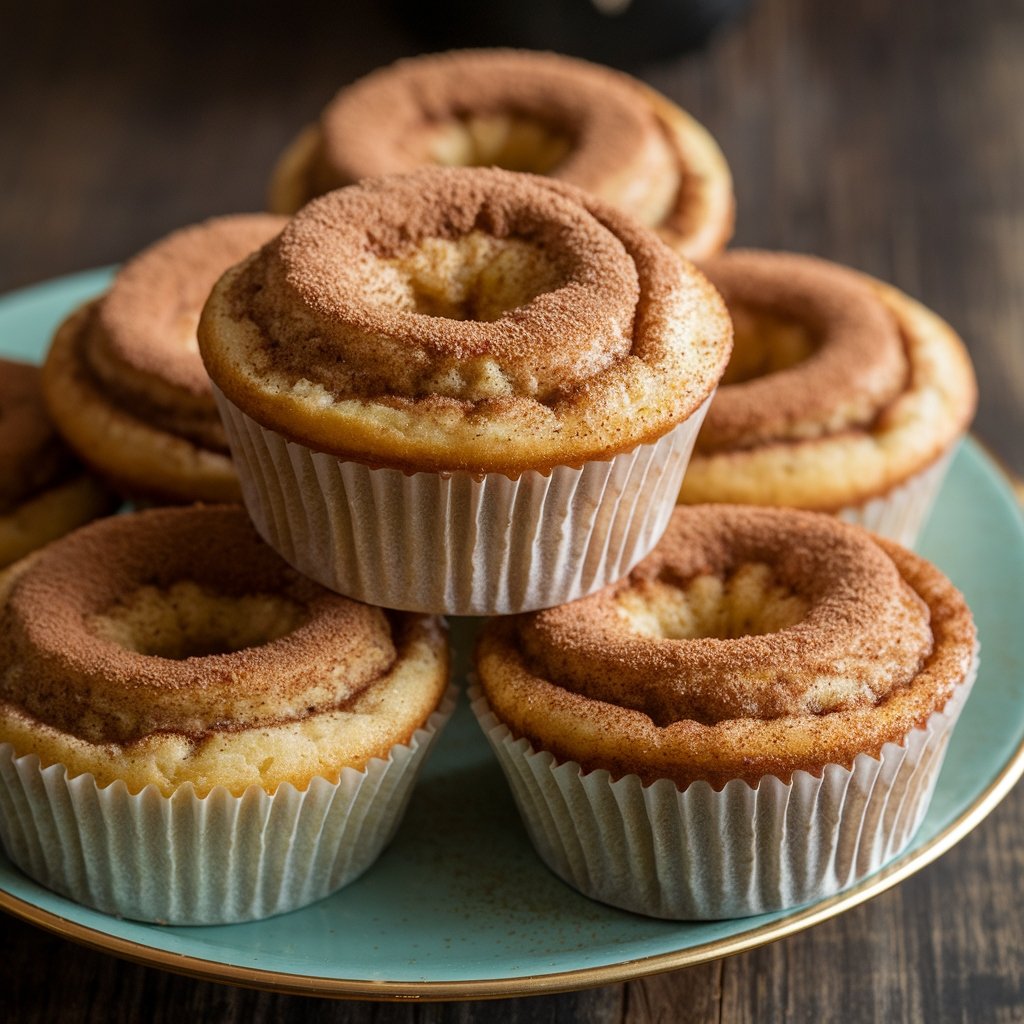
(453, 543)
(216, 859)
(902, 512)
(702, 854)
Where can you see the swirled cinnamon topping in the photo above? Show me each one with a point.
(465, 319)
(124, 379)
(853, 361)
(183, 622)
(141, 344)
(537, 112)
(839, 388)
(751, 641)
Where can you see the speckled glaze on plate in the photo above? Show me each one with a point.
(460, 907)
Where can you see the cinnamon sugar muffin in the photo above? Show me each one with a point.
(538, 112)
(464, 390)
(44, 490)
(754, 718)
(843, 395)
(123, 379)
(166, 668)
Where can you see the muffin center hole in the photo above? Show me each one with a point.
(186, 620)
(473, 277)
(747, 602)
(765, 343)
(512, 141)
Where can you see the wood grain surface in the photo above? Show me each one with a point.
(889, 136)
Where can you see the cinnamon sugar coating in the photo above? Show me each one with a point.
(857, 365)
(175, 632)
(32, 456)
(130, 365)
(465, 319)
(874, 389)
(143, 346)
(537, 112)
(44, 490)
(680, 672)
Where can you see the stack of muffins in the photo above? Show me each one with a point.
(461, 371)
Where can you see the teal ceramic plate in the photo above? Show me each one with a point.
(460, 907)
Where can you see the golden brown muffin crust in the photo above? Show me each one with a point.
(598, 113)
(123, 379)
(870, 641)
(881, 390)
(44, 490)
(80, 649)
(333, 264)
(857, 365)
(524, 111)
(147, 320)
(173, 648)
(141, 343)
(465, 319)
(32, 455)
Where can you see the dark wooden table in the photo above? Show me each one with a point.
(886, 136)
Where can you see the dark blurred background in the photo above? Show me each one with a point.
(883, 134)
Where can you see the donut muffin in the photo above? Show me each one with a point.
(463, 390)
(172, 689)
(123, 379)
(44, 490)
(537, 112)
(843, 395)
(754, 718)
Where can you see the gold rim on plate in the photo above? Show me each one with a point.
(561, 981)
(538, 984)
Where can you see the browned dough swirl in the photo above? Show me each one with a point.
(32, 455)
(542, 113)
(856, 366)
(123, 379)
(142, 342)
(750, 642)
(82, 650)
(841, 389)
(44, 490)
(465, 319)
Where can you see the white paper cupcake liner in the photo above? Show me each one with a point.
(450, 543)
(216, 859)
(901, 514)
(702, 854)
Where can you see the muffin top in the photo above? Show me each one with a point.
(140, 344)
(839, 386)
(32, 455)
(465, 319)
(536, 112)
(750, 642)
(123, 379)
(144, 644)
